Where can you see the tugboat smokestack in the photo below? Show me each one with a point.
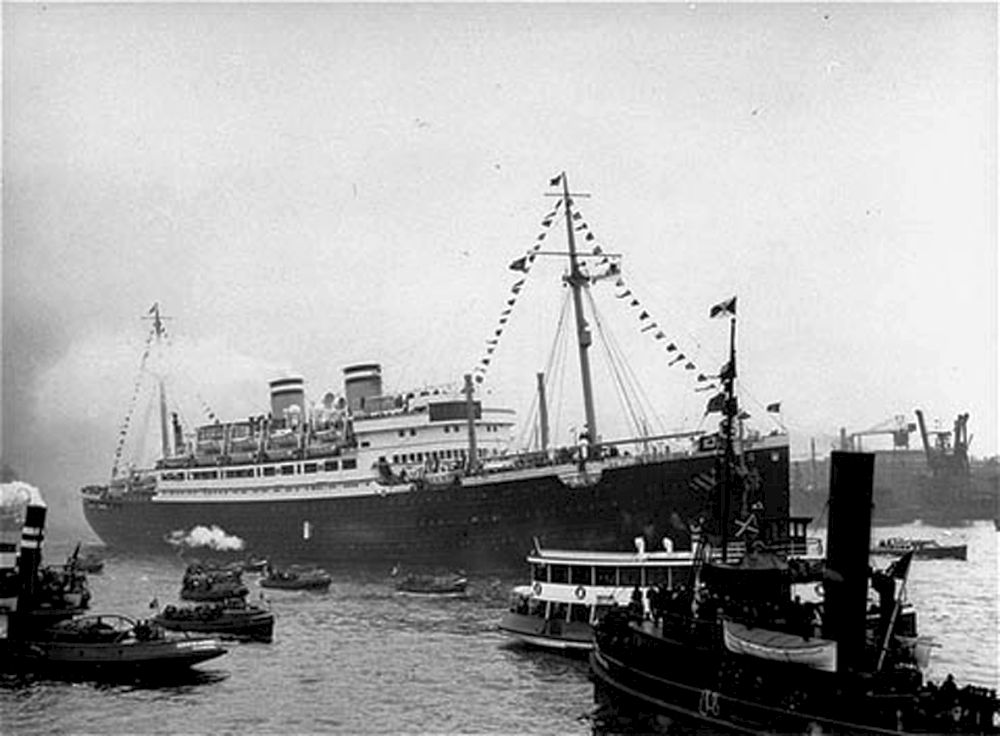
(32, 535)
(846, 586)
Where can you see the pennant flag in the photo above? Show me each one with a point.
(555, 182)
(622, 296)
(546, 222)
(490, 349)
(541, 236)
(479, 379)
(589, 236)
(620, 282)
(597, 250)
(516, 288)
(901, 567)
(492, 341)
(689, 366)
(727, 371)
(650, 326)
(716, 403)
(644, 315)
(511, 302)
(580, 227)
(485, 361)
(521, 264)
(709, 387)
(503, 320)
(634, 303)
(506, 312)
(659, 335)
(702, 377)
(676, 360)
(534, 249)
(722, 309)
(774, 408)
(498, 332)
(577, 216)
(671, 348)
(744, 415)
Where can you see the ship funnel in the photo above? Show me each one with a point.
(32, 537)
(286, 393)
(362, 382)
(848, 542)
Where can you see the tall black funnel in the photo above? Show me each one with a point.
(847, 546)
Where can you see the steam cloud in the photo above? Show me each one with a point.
(212, 537)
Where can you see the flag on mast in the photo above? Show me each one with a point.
(728, 307)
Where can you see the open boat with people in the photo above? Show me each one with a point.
(926, 549)
(232, 618)
(741, 651)
(296, 577)
(204, 582)
(367, 475)
(439, 586)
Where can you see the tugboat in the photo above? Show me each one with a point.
(741, 653)
(41, 626)
(296, 577)
(232, 618)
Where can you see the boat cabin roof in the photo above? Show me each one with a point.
(611, 559)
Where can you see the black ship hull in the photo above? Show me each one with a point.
(486, 523)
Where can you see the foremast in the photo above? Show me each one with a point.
(577, 282)
(729, 414)
(159, 332)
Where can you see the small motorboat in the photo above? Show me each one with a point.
(233, 618)
(448, 586)
(296, 578)
(927, 549)
(108, 645)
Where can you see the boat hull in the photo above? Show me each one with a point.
(535, 631)
(100, 659)
(486, 524)
(258, 626)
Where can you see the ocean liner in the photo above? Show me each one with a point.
(373, 478)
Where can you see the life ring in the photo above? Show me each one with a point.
(580, 593)
(537, 587)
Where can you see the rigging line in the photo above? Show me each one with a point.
(699, 353)
(642, 398)
(745, 391)
(531, 416)
(617, 365)
(559, 370)
(643, 402)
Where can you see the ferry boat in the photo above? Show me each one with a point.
(431, 476)
(572, 590)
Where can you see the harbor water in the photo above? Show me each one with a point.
(361, 658)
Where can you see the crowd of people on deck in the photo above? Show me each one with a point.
(795, 616)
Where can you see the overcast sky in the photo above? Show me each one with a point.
(303, 186)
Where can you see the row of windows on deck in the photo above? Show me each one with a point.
(601, 575)
(263, 471)
(459, 454)
(412, 431)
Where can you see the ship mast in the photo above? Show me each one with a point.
(729, 414)
(577, 281)
(158, 331)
